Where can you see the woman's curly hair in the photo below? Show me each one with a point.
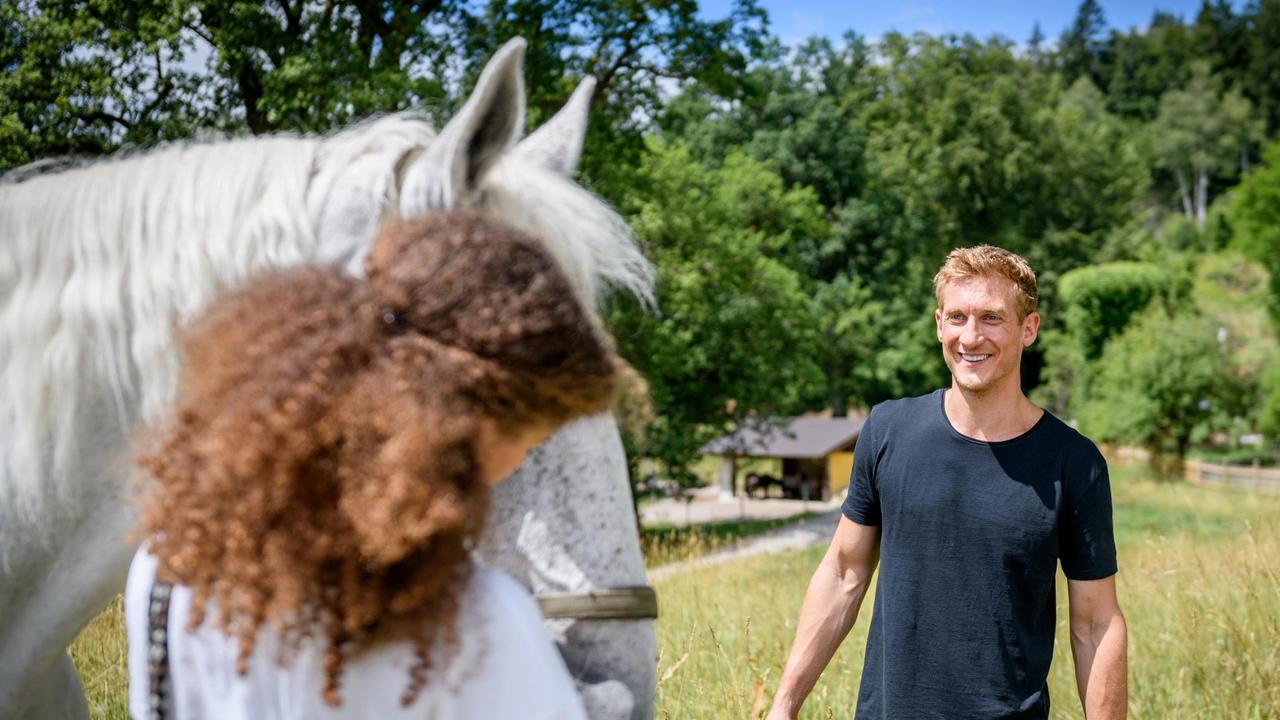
(320, 474)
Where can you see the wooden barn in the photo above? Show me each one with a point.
(815, 454)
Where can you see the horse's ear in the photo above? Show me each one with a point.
(448, 171)
(557, 143)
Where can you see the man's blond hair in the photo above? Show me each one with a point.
(990, 261)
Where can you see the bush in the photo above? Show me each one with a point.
(1165, 382)
(1269, 414)
(1099, 300)
(1255, 218)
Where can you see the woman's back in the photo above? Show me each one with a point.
(504, 665)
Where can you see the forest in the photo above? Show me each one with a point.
(795, 199)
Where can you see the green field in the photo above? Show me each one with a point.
(1199, 585)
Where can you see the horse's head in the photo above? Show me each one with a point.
(479, 160)
(575, 487)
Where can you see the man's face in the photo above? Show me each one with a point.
(981, 334)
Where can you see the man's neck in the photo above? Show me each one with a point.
(1001, 413)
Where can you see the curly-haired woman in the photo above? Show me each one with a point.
(312, 503)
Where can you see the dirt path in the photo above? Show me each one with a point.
(813, 530)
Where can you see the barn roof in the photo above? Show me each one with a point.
(798, 437)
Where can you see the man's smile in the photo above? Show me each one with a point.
(973, 358)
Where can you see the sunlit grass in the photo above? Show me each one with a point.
(99, 654)
(1199, 586)
(663, 544)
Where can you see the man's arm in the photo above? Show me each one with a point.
(830, 608)
(1099, 640)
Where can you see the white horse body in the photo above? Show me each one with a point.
(101, 266)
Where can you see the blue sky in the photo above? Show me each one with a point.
(794, 20)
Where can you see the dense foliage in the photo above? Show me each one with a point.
(796, 200)
(1165, 381)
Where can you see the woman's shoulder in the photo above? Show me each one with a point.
(137, 588)
(498, 608)
(494, 588)
(520, 662)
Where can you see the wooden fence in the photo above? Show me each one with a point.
(1256, 478)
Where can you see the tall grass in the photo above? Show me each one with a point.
(1199, 585)
(664, 544)
(100, 657)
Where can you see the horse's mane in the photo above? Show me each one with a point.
(44, 166)
(101, 264)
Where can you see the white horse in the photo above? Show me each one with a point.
(100, 265)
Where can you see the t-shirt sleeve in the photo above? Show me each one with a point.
(1086, 538)
(862, 503)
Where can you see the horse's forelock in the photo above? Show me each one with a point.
(589, 238)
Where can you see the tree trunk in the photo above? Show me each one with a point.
(839, 404)
(1186, 193)
(1202, 196)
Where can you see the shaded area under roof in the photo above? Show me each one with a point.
(801, 437)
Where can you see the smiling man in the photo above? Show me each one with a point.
(968, 499)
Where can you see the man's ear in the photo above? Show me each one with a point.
(1030, 329)
(937, 323)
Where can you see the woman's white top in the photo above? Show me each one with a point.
(505, 665)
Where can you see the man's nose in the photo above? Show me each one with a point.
(971, 333)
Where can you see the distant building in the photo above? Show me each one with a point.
(816, 455)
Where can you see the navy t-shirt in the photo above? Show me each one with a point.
(971, 536)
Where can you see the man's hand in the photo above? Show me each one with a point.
(830, 608)
(1099, 640)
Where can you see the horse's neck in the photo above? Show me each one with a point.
(564, 522)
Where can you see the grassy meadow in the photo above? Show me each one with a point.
(1199, 584)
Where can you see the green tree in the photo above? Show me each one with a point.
(1202, 133)
(85, 76)
(1255, 218)
(69, 85)
(1269, 412)
(1221, 36)
(1035, 45)
(1146, 64)
(1095, 304)
(1263, 85)
(799, 111)
(1164, 383)
(1080, 48)
(733, 334)
(1098, 301)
